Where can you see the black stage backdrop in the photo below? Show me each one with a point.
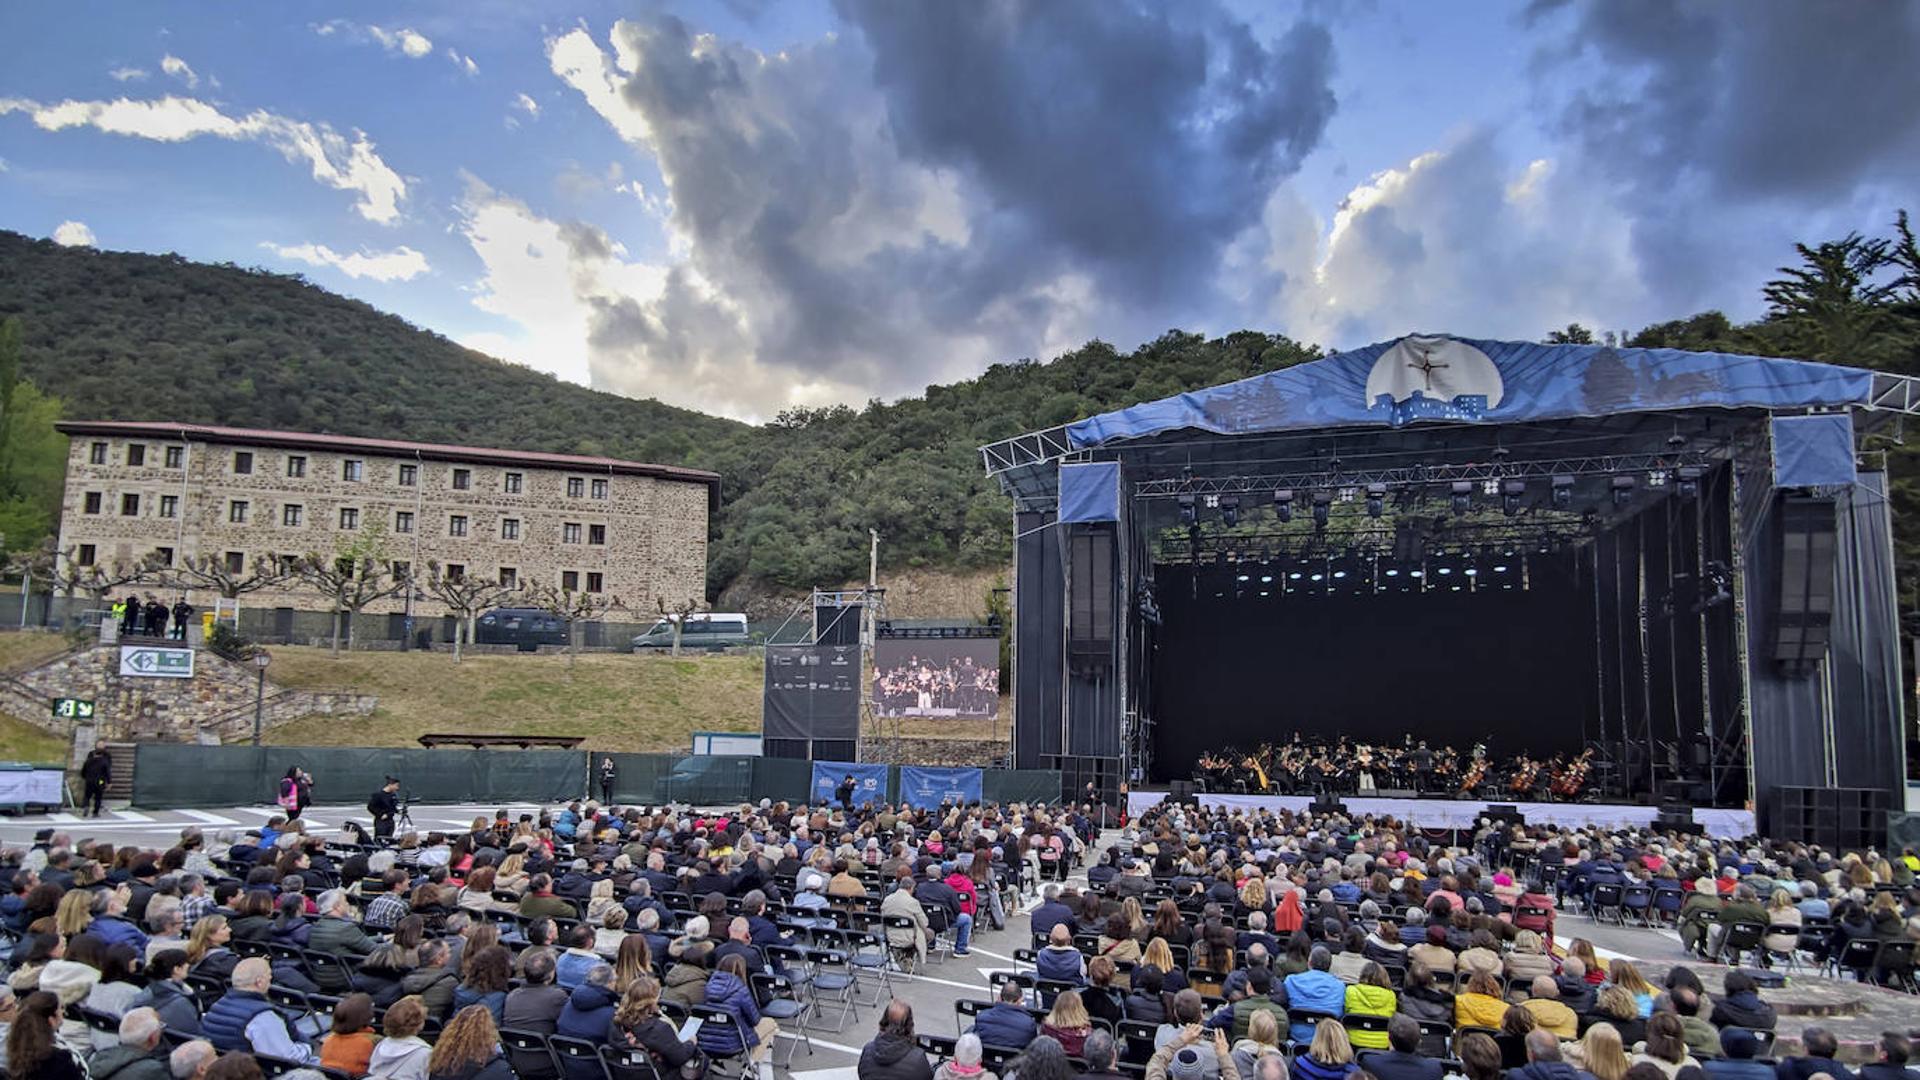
(1514, 668)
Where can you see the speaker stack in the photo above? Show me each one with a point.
(1804, 614)
(1835, 818)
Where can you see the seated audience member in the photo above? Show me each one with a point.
(1420, 999)
(168, 994)
(540, 901)
(191, 1059)
(1528, 960)
(243, 1019)
(469, 1049)
(1059, 961)
(402, 1054)
(1598, 1053)
(1479, 1056)
(1741, 1006)
(1895, 1050)
(1100, 999)
(1006, 1024)
(1615, 1006)
(729, 989)
(432, 981)
(901, 904)
(1738, 1050)
(1666, 1046)
(965, 1065)
(1186, 1055)
(1548, 1011)
(1686, 1003)
(638, 1026)
(892, 1054)
(1576, 992)
(1262, 1038)
(1316, 990)
(350, 1040)
(1371, 995)
(1146, 1003)
(33, 1046)
(572, 967)
(1402, 1060)
(485, 980)
(588, 1015)
(1820, 1046)
(1543, 1060)
(141, 1053)
(536, 1006)
(1329, 1057)
(1068, 1023)
(1480, 1004)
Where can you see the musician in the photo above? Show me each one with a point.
(1422, 768)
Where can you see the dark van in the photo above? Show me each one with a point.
(527, 628)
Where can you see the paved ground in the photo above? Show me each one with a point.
(1857, 1013)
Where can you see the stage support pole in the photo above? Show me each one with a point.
(1646, 677)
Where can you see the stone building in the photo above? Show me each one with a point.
(176, 491)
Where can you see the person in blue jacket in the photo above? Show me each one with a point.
(1316, 989)
(729, 988)
(1007, 1024)
(1060, 961)
(588, 1015)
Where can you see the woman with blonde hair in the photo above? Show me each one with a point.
(1159, 954)
(1068, 1023)
(469, 1049)
(1624, 975)
(1599, 1052)
(631, 961)
(1330, 1057)
(75, 912)
(1582, 949)
(1139, 930)
(1480, 1005)
(1253, 895)
(1263, 1038)
(511, 876)
(1782, 912)
(600, 900)
(207, 950)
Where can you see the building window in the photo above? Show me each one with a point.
(403, 521)
(175, 455)
(599, 489)
(511, 483)
(576, 487)
(509, 528)
(509, 578)
(136, 453)
(570, 580)
(349, 518)
(457, 525)
(236, 562)
(164, 555)
(85, 557)
(402, 570)
(91, 502)
(596, 534)
(409, 475)
(462, 479)
(97, 454)
(596, 581)
(291, 514)
(169, 506)
(352, 469)
(242, 463)
(570, 532)
(456, 571)
(237, 512)
(129, 505)
(296, 466)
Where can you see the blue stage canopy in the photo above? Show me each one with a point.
(1436, 377)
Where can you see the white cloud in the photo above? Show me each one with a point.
(464, 63)
(401, 264)
(580, 64)
(335, 160)
(408, 42)
(179, 69)
(526, 105)
(73, 234)
(127, 74)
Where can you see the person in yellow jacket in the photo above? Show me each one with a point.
(1481, 1004)
(1372, 995)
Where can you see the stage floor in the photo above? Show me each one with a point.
(1462, 813)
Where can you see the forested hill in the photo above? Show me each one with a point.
(125, 336)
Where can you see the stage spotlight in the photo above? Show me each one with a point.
(1470, 571)
(1230, 510)
(1623, 489)
(1266, 579)
(1391, 572)
(1689, 482)
(1462, 496)
(1242, 577)
(1314, 577)
(1322, 508)
(1188, 513)
(1511, 492)
(1563, 492)
(1283, 503)
(1376, 499)
(1339, 574)
(1500, 569)
(1295, 576)
(1445, 570)
(1657, 478)
(1416, 573)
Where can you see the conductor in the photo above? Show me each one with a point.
(384, 805)
(845, 793)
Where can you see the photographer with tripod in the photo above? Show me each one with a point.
(385, 806)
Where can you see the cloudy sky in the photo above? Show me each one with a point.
(744, 205)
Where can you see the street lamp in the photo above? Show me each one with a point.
(261, 658)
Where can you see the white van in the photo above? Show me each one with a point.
(705, 630)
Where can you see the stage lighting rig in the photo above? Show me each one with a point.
(1188, 512)
(1376, 499)
(1623, 489)
(1562, 492)
(1322, 508)
(1283, 504)
(1462, 496)
(1230, 510)
(1688, 483)
(1511, 492)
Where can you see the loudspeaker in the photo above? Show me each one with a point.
(1325, 803)
(836, 624)
(1507, 813)
(1180, 790)
(786, 748)
(1804, 612)
(1835, 818)
(1090, 586)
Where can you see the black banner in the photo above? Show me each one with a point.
(812, 692)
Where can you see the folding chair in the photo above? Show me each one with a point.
(1739, 939)
(1789, 955)
(528, 1054)
(628, 1064)
(1637, 900)
(1605, 899)
(1136, 1040)
(1355, 1022)
(579, 1059)
(1858, 957)
(1436, 1038)
(1311, 1018)
(1001, 978)
(1895, 965)
(940, 1046)
(742, 1059)
(777, 998)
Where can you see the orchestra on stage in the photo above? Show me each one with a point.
(1308, 765)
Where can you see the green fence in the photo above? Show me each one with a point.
(168, 776)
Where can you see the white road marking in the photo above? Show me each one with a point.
(209, 819)
(65, 819)
(990, 952)
(130, 815)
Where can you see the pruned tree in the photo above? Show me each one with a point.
(570, 606)
(466, 596)
(355, 575)
(212, 573)
(97, 581)
(676, 616)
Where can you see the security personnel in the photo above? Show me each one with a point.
(384, 805)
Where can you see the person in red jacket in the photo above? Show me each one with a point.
(959, 882)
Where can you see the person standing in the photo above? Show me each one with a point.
(130, 618)
(157, 618)
(96, 772)
(607, 772)
(845, 793)
(182, 611)
(384, 805)
(304, 788)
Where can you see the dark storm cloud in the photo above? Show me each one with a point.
(1759, 99)
(932, 183)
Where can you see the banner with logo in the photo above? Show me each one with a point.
(869, 782)
(925, 785)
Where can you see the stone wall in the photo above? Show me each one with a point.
(216, 705)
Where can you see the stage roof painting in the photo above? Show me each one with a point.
(1441, 378)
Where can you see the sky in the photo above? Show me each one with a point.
(745, 206)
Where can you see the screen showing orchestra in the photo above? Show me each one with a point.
(1306, 765)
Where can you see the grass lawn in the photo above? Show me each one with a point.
(21, 741)
(23, 649)
(618, 702)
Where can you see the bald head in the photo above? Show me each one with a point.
(253, 974)
(1542, 1045)
(1545, 987)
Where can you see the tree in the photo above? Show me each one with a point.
(33, 456)
(211, 572)
(1836, 307)
(571, 607)
(97, 581)
(356, 574)
(676, 616)
(465, 595)
(1574, 334)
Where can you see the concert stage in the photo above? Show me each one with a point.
(1465, 813)
(1681, 562)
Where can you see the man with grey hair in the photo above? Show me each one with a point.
(140, 1055)
(336, 934)
(189, 1060)
(1101, 1057)
(169, 932)
(245, 1020)
(1315, 990)
(588, 1013)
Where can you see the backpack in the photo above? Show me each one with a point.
(289, 798)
